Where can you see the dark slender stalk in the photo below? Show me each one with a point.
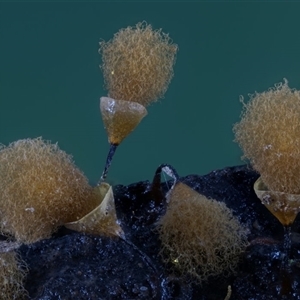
(286, 286)
(110, 155)
(287, 244)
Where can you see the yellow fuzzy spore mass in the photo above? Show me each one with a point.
(12, 274)
(200, 237)
(269, 135)
(41, 189)
(138, 63)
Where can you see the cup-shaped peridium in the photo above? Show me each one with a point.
(102, 220)
(120, 117)
(283, 206)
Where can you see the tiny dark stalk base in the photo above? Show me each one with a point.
(286, 285)
(110, 155)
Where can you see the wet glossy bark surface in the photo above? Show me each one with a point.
(75, 266)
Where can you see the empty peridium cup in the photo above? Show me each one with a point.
(285, 207)
(120, 118)
(102, 220)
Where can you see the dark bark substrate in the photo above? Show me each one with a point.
(76, 266)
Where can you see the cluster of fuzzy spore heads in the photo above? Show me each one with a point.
(41, 189)
(269, 135)
(138, 64)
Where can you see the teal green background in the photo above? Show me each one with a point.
(50, 81)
